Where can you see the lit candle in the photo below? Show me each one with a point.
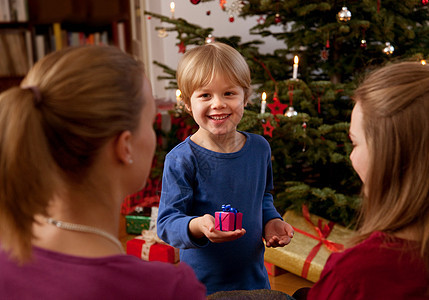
(264, 102)
(178, 97)
(172, 6)
(295, 67)
(423, 62)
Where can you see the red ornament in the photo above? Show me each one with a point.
(275, 97)
(424, 2)
(327, 44)
(195, 1)
(277, 19)
(149, 17)
(268, 128)
(231, 19)
(208, 12)
(277, 108)
(182, 47)
(324, 54)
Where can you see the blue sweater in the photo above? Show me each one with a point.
(197, 181)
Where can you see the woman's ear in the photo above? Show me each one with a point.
(123, 148)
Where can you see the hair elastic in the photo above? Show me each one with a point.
(36, 93)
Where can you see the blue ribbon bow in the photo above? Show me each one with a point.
(228, 208)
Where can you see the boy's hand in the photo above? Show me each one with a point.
(205, 226)
(278, 233)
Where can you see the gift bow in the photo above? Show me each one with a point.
(323, 232)
(150, 237)
(228, 208)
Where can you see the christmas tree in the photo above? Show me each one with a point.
(306, 120)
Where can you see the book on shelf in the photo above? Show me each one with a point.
(118, 31)
(29, 48)
(13, 11)
(19, 10)
(58, 40)
(17, 53)
(5, 15)
(40, 45)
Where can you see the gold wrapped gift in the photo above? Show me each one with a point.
(314, 240)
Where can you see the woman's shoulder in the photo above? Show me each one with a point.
(107, 277)
(372, 268)
(377, 250)
(178, 281)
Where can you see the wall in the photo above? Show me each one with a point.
(165, 49)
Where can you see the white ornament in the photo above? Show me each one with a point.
(234, 8)
(210, 39)
(162, 32)
(388, 49)
(291, 112)
(344, 15)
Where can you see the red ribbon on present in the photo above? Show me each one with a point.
(323, 231)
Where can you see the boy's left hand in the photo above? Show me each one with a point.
(278, 233)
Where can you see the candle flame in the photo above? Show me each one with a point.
(423, 62)
(296, 60)
(264, 96)
(172, 6)
(178, 93)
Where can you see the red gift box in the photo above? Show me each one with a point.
(157, 251)
(229, 219)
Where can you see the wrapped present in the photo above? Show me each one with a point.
(229, 219)
(150, 247)
(138, 220)
(273, 270)
(311, 245)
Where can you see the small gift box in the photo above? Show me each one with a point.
(138, 220)
(151, 248)
(311, 245)
(229, 219)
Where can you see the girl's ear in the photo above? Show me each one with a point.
(123, 148)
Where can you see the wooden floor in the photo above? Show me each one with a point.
(287, 282)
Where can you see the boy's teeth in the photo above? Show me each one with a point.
(218, 118)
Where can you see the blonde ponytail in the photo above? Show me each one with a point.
(26, 174)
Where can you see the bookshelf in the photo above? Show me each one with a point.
(30, 29)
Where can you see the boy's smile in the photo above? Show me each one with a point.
(217, 108)
(219, 117)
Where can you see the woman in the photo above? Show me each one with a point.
(390, 134)
(76, 137)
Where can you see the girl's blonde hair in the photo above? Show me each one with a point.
(87, 96)
(199, 66)
(395, 106)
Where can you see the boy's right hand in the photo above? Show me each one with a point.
(205, 226)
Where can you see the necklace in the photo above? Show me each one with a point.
(87, 229)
